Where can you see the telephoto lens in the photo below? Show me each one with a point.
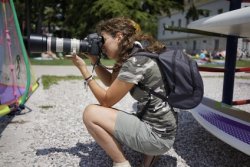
(91, 44)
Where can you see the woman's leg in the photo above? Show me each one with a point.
(149, 160)
(100, 122)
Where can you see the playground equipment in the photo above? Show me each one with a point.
(227, 123)
(16, 81)
(221, 119)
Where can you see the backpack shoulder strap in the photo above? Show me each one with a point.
(142, 52)
(151, 91)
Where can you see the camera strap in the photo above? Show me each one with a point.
(98, 63)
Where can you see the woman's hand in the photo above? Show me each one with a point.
(78, 61)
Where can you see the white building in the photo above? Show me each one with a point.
(193, 43)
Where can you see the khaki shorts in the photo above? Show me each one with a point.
(138, 135)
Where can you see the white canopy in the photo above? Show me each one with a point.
(236, 22)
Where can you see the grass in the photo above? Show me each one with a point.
(46, 107)
(237, 77)
(243, 63)
(48, 80)
(67, 62)
(108, 62)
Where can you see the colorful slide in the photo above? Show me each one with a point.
(16, 81)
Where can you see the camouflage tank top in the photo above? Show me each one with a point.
(146, 71)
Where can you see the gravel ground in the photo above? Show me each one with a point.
(51, 132)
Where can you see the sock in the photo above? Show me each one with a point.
(121, 164)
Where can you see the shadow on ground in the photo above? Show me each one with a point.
(7, 119)
(91, 155)
(4, 121)
(204, 146)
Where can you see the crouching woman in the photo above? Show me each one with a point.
(151, 133)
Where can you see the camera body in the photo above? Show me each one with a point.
(92, 44)
(95, 43)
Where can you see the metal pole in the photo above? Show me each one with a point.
(230, 61)
(27, 14)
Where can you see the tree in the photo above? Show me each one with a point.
(79, 18)
(145, 12)
(194, 13)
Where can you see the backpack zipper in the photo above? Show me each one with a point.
(192, 74)
(173, 69)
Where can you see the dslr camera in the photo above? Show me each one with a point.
(92, 44)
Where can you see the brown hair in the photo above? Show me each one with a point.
(131, 33)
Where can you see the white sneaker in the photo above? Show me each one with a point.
(121, 164)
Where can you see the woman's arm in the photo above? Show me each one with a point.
(117, 90)
(113, 94)
(104, 74)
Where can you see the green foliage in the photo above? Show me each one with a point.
(194, 13)
(73, 18)
(144, 12)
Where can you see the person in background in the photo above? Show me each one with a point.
(153, 133)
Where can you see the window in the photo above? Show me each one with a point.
(172, 25)
(194, 45)
(216, 44)
(220, 11)
(163, 32)
(179, 23)
(206, 13)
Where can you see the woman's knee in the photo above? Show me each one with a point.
(89, 112)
